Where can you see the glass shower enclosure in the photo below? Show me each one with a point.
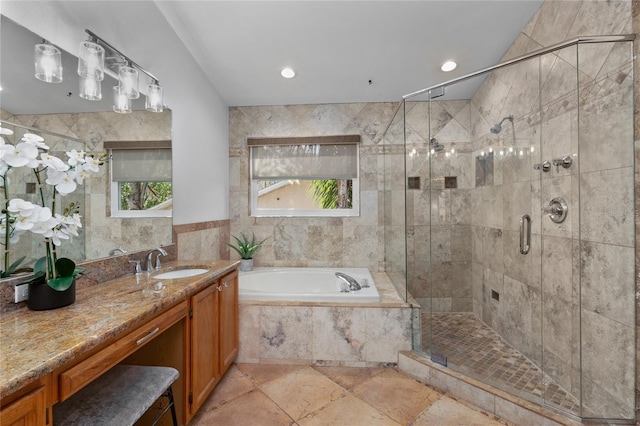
(509, 223)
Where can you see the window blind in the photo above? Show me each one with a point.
(141, 165)
(304, 161)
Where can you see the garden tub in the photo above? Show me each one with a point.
(306, 285)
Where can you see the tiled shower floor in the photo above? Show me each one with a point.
(474, 349)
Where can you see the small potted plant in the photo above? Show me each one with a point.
(246, 247)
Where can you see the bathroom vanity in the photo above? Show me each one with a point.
(188, 323)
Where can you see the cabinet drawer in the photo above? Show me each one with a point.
(80, 375)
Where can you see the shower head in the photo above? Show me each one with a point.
(435, 145)
(497, 128)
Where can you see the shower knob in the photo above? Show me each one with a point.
(557, 210)
(545, 167)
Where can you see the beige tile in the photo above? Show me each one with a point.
(348, 377)
(233, 384)
(448, 412)
(398, 396)
(262, 373)
(302, 391)
(347, 410)
(253, 409)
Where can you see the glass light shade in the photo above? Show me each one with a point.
(128, 82)
(91, 61)
(90, 89)
(48, 63)
(121, 103)
(153, 102)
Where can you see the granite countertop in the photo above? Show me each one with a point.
(35, 343)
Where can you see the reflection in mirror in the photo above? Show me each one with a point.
(57, 113)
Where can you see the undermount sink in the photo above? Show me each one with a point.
(180, 273)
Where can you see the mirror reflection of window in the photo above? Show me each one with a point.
(305, 176)
(140, 179)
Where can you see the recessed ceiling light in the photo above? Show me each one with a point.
(448, 66)
(288, 73)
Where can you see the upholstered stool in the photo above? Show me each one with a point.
(119, 397)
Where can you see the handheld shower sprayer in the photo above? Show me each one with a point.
(497, 128)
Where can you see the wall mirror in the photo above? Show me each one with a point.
(65, 121)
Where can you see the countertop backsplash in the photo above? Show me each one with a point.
(96, 272)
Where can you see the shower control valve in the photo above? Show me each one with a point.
(565, 162)
(557, 210)
(545, 167)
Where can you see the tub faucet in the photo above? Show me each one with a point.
(161, 252)
(353, 284)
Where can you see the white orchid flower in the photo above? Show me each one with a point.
(57, 235)
(63, 183)
(23, 223)
(53, 162)
(14, 235)
(91, 163)
(20, 155)
(36, 140)
(18, 206)
(79, 175)
(76, 157)
(45, 227)
(5, 131)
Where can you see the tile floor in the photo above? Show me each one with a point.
(476, 350)
(268, 394)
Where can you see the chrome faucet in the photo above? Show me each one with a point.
(353, 284)
(117, 250)
(161, 252)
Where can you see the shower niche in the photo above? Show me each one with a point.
(536, 323)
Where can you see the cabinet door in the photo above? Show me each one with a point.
(228, 320)
(205, 371)
(28, 410)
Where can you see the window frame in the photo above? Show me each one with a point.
(114, 210)
(255, 211)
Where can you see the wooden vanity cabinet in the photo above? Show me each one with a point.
(229, 333)
(29, 409)
(204, 371)
(213, 333)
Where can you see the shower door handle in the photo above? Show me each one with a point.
(525, 221)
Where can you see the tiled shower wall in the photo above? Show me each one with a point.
(95, 128)
(578, 282)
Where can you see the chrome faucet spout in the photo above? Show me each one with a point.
(161, 252)
(353, 284)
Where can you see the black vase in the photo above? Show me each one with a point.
(43, 298)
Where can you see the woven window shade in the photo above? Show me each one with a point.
(326, 157)
(141, 165)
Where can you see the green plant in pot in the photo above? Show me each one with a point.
(246, 247)
(53, 282)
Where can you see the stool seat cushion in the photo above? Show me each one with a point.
(118, 397)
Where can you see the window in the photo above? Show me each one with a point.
(140, 179)
(304, 176)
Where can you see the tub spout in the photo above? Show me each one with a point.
(353, 284)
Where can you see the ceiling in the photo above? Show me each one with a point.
(337, 47)
(342, 51)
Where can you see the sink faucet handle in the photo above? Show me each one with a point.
(138, 268)
(158, 264)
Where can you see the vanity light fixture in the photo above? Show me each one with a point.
(128, 81)
(288, 73)
(448, 66)
(153, 102)
(48, 64)
(96, 51)
(121, 102)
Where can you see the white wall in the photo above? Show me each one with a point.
(200, 125)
